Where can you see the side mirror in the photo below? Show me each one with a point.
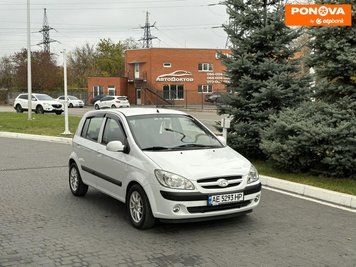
(222, 140)
(115, 146)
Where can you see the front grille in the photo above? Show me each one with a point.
(212, 183)
(203, 209)
(56, 105)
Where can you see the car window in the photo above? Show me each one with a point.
(73, 98)
(44, 97)
(122, 98)
(91, 128)
(23, 97)
(61, 98)
(113, 132)
(170, 132)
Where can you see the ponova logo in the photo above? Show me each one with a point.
(318, 15)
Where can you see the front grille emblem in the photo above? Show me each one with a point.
(223, 182)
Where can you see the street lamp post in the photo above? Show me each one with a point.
(29, 77)
(66, 127)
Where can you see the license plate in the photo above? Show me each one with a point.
(225, 199)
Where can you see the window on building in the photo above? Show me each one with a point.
(167, 65)
(205, 88)
(98, 90)
(173, 91)
(205, 67)
(111, 89)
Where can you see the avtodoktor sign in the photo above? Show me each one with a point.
(318, 15)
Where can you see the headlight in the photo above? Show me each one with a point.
(172, 180)
(252, 175)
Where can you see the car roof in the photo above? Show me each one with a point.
(127, 112)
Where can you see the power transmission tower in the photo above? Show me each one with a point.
(45, 33)
(147, 37)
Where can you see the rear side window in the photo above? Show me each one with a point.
(23, 97)
(91, 128)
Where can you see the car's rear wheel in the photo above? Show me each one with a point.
(138, 208)
(70, 105)
(97, 107)
(76, 184)
(113, 106)
(39, 109)
(19, 108)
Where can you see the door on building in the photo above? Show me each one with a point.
(138, 96)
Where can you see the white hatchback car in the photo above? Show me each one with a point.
(112, 102)
(41, 103)
(73, 101)
(163, 164)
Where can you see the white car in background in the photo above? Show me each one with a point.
(73, 101)
(41, 103)
(112, 101)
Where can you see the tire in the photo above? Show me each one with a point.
(58, 112)
(19, 108)
(113, 106)
(76, 184)
(97, 107)
(138, 208)
(70, 105)
(39, 109)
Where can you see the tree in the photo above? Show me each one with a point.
(110, 58)
(81, 65)
(6, 73)
(46, 75)
(334, 61)
(263, 70)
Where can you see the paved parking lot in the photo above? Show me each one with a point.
(42, 224)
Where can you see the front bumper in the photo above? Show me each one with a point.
(192, 206)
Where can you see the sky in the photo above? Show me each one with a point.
(178, 23)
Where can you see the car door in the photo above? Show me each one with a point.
(112, 166)
(103, 102)
(86, 147)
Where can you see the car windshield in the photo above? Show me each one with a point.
(44, 97)
(170, 132)
(73, 98)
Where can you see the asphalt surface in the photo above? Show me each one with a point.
(42, 224)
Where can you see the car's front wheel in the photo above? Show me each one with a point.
(70, 105)
(76, 184)
(113, 106)
(39, 109)
(19, 108)
(138, 208)
(97, 107)
(58, 112)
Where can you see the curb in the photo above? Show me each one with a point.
(325, 195)
(44, 138)
(336, 198)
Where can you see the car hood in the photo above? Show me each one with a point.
(201, 163)
(54, 102)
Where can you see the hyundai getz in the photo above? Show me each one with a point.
(163, 164)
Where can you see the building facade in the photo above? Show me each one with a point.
(177, 76)
(106, 86)
(165, 76)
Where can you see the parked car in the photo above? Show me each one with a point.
(41, 103)
(112, 102)
(96, 98)
(73, 101)
(213, 98)
(164, 164)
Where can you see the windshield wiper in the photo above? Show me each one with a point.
(174, 131)
(156, 148)
(195, 145)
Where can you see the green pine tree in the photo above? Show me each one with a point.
(334, 61)
(264, 70)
